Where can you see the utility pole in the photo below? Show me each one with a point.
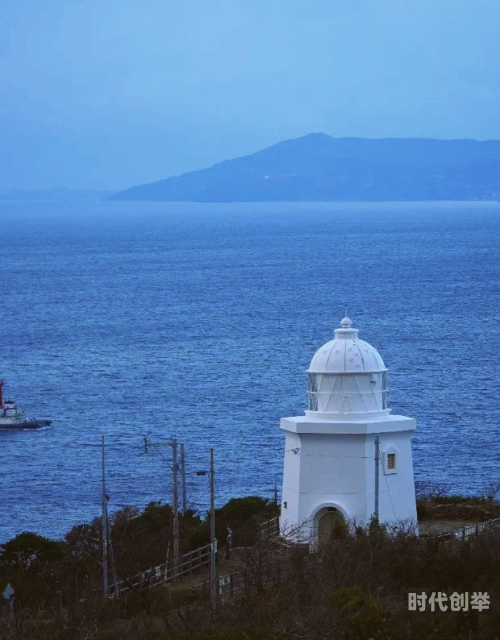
(175, 505)
(116, 589)
(213, 541)
(377, 474)
(183, 471)
(175, 491)
(105, 586)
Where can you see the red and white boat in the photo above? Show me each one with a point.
(11, 418)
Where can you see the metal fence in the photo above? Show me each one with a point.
(270, 528)
(263, 575)
(471, 530)
(186, 565)
(267, 574)
(189, 564)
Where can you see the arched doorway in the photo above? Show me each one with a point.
(328, 522)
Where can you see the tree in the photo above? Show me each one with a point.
(84, 541)
(243, 516)
(29, 551)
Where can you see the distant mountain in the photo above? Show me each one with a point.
(318, 167)
(52, 195)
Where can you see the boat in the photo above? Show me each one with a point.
(12, 418)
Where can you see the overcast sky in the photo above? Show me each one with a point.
(107, 94)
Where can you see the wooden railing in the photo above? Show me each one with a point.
(473, 529)
(270, 528)
(268, 574)
(188, 564)
(260, 576)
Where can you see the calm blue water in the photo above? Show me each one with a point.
(199, 320)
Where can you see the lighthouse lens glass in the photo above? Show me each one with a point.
(312, 389)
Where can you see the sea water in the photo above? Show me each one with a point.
(199, 321)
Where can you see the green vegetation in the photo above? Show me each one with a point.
(435, 503)
(354, 587)
(241, 515)
(37, 566)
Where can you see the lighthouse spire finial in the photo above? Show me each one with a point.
(345, 323)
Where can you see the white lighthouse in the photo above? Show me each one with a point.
(348, 459)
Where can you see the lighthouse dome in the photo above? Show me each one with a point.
(346, 353)
(347, 377)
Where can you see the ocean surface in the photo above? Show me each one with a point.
(199, 321)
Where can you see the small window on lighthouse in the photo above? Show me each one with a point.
(391, 461)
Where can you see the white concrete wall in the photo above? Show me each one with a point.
(338, 470)
(397, 490)
(291, 483)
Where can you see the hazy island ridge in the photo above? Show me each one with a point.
(317, 167)
(53, 195)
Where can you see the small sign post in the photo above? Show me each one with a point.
(9, 594)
